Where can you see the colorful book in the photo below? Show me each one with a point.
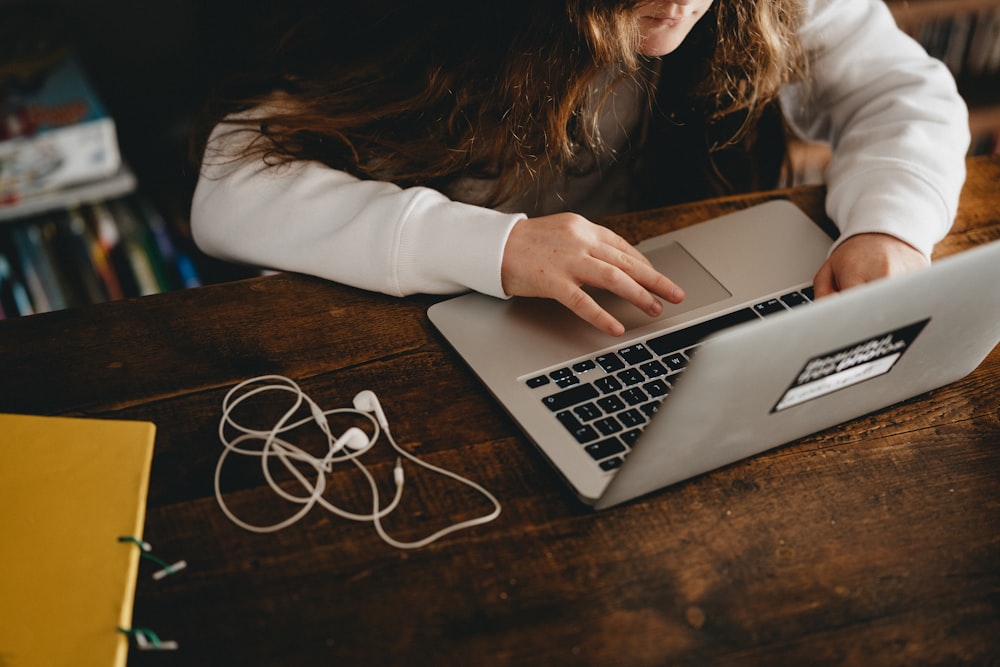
(143, 256)
(12, 291)
(56, 137)
(69, 489)
(109, 239)
(40, 278)
(59, 256)
(180, 270)
(72, 245)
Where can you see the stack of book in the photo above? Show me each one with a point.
(74, 229)
(58, 145)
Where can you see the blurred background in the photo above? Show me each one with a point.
(151, 64)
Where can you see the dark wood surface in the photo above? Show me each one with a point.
(873, 543)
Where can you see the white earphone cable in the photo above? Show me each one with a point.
(349, 447)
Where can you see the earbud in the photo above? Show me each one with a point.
(353, 438)
(368, 402)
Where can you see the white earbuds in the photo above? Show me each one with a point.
(366, 401)
(347, 448)
(353, 438)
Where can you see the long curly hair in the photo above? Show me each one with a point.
(424, 93)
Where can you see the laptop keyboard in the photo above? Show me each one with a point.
(605, 401)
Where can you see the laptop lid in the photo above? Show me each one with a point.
(764, 384)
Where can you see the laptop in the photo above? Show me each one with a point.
(747, 362)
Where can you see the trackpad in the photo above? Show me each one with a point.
(700, 287)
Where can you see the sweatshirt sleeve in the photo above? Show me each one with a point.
(308, 218)
(897, 125)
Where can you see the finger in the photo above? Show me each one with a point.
(824, 283)
(640, 278)
(584, 306)
(613, 249)
(848, 274)
(609, 277)
(659, 284)
(849, 279)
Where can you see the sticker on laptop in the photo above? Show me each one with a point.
(849, 365)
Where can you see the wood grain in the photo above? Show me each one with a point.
(873, 543)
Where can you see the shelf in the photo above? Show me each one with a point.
(964, 35)
(910, 12)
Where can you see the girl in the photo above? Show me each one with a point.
(445, 145)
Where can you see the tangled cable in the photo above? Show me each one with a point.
(348, 447)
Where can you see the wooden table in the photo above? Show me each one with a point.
(873, 543)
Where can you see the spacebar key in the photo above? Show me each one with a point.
(571, 396)
(679, 340)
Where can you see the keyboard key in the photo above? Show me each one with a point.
(569, 397)
(561, 374)
(675, 362)
(635, 354)
(629, 437)
(653, 369)
(631, 418)
(769, 307)
(582, 432)
(564, 377)
(610, 362)
(794, 299)
(634, 396)
(536, 382)
(657, 388)
(611, 404)
(608, 425)
(678, 340)
(631, 376)
(608, 385)
(808, 293)
(587, 411)
(649, 409)
(612, 464)
(605, 448)
(584, 366)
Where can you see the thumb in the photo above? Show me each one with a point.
(825, 283)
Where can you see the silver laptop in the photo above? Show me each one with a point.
(746, 363)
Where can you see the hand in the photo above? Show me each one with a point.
(556, 255)
(863, 258)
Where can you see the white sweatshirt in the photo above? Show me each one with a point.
(898, 128)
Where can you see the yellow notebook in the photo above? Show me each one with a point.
(69, 488)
